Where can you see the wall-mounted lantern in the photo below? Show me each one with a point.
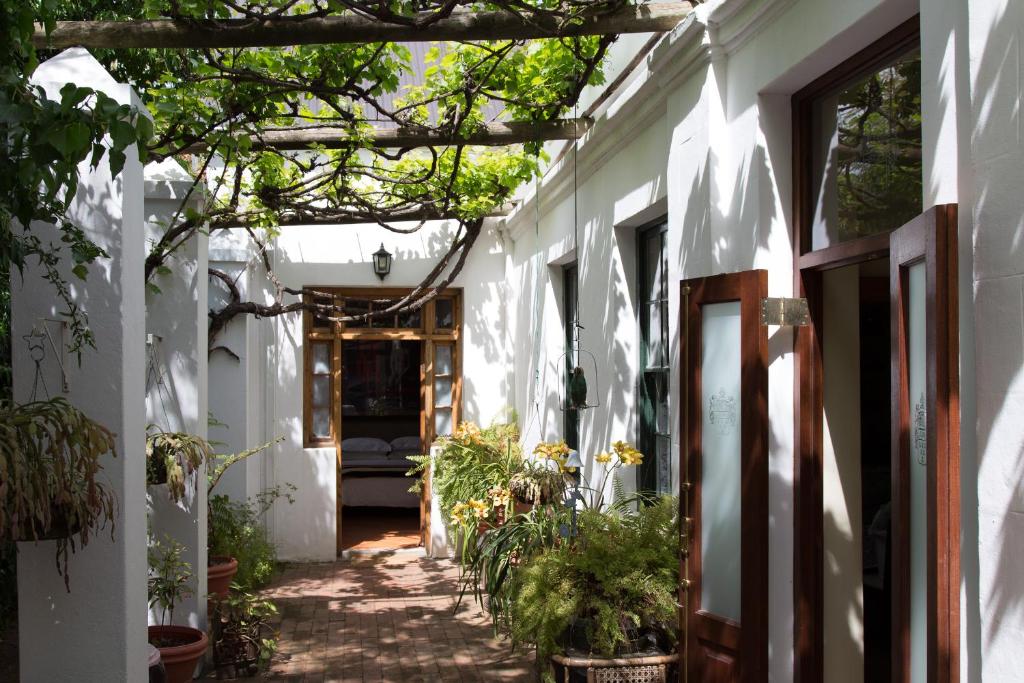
(382, 262)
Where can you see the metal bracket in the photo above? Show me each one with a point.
(785, 312)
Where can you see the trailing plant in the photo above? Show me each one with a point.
(170, 577)
(537, 483)
(236, 529)
(172, 457)
(244, 638)
(619, 575)
(49, 467)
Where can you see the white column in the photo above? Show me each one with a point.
(176, 370)
(97, 632)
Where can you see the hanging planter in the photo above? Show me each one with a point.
(172, 457)
(49, 464)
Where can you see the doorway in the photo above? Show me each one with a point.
(857, 473)
(380, 427)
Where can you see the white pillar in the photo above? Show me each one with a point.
(97, 632)
(176, 370)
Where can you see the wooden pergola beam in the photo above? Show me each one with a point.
(416, 215)
(493, 135)
(461, 25)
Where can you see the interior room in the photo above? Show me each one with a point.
(381, 407)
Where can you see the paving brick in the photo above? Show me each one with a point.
(385, 618)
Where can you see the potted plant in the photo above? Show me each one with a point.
(49, 466)
(181, 647)
(609, 591)
(173, 457)
(226, 524)
(243, 638)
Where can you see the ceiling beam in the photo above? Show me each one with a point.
(351, 28)
(492, 134)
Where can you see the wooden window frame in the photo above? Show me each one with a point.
(647, 428)
(338, 333)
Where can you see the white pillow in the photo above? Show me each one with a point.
(407, 443)
(366, 445)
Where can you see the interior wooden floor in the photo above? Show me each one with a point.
(372, 528)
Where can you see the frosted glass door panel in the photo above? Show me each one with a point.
(917, 371)
(720, 464)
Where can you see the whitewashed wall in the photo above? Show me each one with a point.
(341, 256)
(176, 372)
(704, 134)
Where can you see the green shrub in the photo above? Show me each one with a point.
(620, 573)
(236, 529)
(475, 465)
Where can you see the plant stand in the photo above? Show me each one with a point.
(643, 668)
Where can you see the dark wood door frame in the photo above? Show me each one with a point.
(749, 638)
(930, 237)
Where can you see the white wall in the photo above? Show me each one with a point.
(176, 372)
(97, 631)
(341, 256)
(993, 492)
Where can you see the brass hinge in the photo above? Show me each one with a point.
(785, 312)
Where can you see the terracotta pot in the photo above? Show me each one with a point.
(179, 660)
(219, 575)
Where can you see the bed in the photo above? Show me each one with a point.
(373, 472)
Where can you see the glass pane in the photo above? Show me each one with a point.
(443, 392)
(720, 466)
(385, 322)
(443, 421)
(444, 314)
(321, 359)
(443, 360)
(867, 154)
(655, 349)
(321, 390)
(318, 320)
(321, 422)
(357, 307)
(664, 465)
(661, 403)
(410, 320)
(653, 267)
(917, 382)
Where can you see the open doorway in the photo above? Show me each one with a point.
(857, 483)
(381, 425)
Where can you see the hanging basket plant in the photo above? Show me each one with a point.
(49, 463)
(172, 457)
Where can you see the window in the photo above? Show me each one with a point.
(654, 438)
(333, 346)
(570, 294)
(862, 136)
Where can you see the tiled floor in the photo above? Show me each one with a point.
(386, 618)
(365, 528)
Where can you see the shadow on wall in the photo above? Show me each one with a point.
(993, 477)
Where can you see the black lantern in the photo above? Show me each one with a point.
(382, 262)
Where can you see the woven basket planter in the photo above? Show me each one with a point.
(652, 668)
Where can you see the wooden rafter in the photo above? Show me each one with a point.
(415, 215)
(461, 25)
(493, 134)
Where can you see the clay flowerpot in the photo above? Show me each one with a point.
(218, 576)
(181, 648)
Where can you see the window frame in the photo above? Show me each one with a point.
(338, 333)
(647, 428)
(570, 319)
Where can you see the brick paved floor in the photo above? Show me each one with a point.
(385, 618)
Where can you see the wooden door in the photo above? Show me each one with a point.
(925, 449)
(725, 456)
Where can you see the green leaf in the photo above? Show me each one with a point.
(80, 271)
